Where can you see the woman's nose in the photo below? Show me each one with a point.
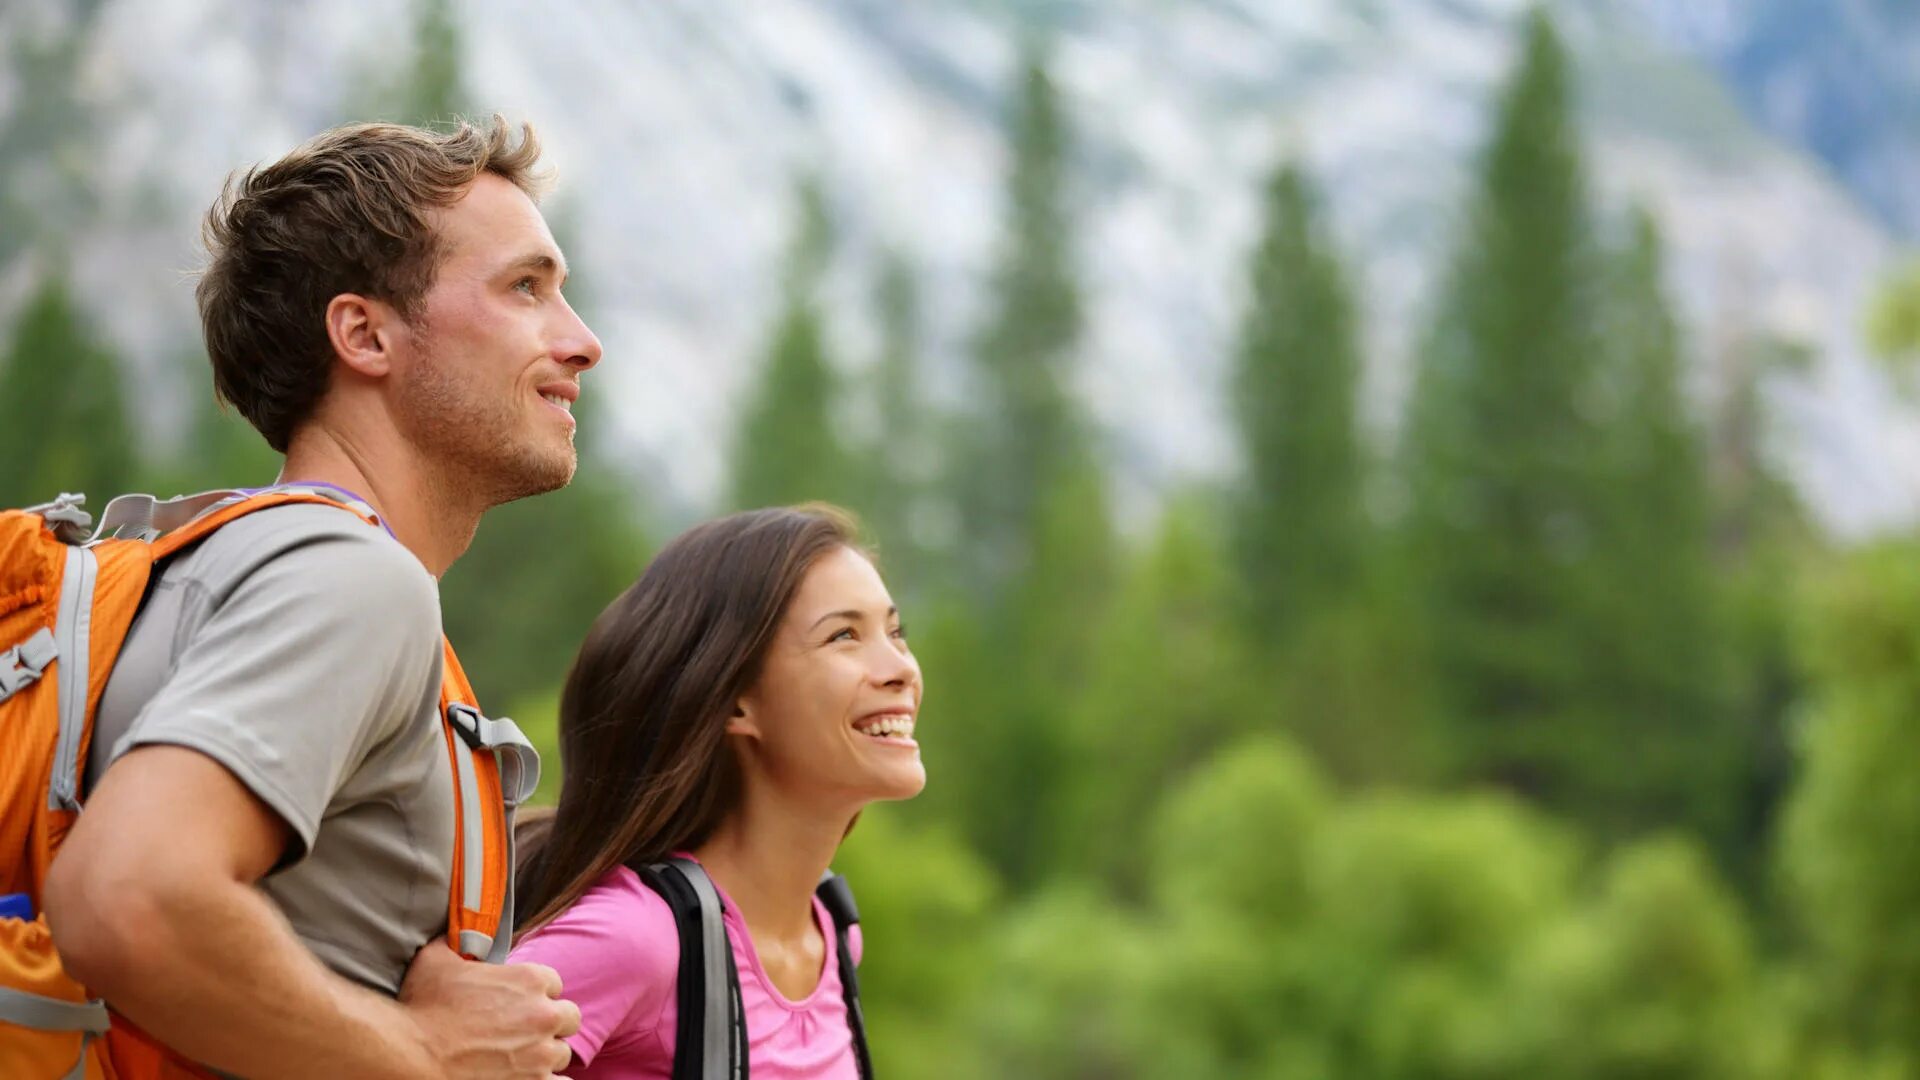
(894, 665)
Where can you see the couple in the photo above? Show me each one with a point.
(264, 861)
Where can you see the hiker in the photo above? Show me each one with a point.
(725, 722)
(262, 881)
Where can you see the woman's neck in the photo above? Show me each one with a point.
(768, 856)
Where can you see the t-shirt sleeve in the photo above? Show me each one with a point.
(618, 956)
(305, 664)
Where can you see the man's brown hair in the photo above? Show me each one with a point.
(348, 212)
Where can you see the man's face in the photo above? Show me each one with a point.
(490, 367)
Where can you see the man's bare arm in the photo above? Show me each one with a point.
(153, 905)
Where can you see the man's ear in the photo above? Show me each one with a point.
(362, 333)
(743, 721)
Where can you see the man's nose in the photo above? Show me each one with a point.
(577, 347)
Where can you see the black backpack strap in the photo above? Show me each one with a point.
(710, 1033)
(837, 895)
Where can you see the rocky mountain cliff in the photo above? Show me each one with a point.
(678, 127)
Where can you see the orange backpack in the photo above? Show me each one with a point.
(67, 599)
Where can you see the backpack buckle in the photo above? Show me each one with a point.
(466, 720)
(26, 662)
(519, 762)
(65, 518)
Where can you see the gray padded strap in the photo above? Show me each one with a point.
(473, 835)
(475, 945)
(52, 1014)
(79, 1070)
(73, 637)
(503, 940)
(330, 492)
(718, 1036)
(144, 517)
(519, 774)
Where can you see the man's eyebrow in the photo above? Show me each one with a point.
(539, 261)
(850, 613)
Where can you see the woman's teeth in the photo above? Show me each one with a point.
(887, 727)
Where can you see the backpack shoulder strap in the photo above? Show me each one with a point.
(173, 524)
(495, 769)
(837, 896)
(710, 1034)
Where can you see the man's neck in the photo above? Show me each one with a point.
(427, 517)
(769, 859)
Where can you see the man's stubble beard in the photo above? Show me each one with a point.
(473, 440)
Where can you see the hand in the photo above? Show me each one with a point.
(489, 1021)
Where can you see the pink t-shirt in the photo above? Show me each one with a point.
(618, 956)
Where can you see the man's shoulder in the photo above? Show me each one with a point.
(326, 549)
(276, 529)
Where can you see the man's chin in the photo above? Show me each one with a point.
(539, 477)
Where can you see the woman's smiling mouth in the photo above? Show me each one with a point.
(895, 728)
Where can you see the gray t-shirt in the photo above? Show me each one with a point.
(299, 647)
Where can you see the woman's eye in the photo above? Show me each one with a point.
(841, 635)
(900, 632)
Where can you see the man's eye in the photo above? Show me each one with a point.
(527, 285)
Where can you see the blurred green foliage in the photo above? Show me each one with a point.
(1851, 841)
(1551, 742)
(1893, 322)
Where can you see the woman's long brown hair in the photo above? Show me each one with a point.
(643, 715)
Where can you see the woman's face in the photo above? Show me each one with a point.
(833, 711)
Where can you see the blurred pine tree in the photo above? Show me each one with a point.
(789, 447)
(1505, 456)
(64, 424)
(1300, 530)
(1034, 557)
(1025, 433)
(1661, 666)
(895, 466)
(434, 90)
(47, 184)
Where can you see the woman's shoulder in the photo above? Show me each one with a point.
(618, 958)
(618, 923)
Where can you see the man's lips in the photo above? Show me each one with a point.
(560, 397)
(564, 389)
